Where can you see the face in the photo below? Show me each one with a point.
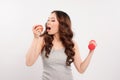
(52, 24)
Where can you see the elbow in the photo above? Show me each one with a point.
(81, 71)
(28, 63)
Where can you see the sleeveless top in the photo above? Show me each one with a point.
(54, 67)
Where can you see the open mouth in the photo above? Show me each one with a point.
(48, 28)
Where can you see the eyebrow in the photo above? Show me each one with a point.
(51, 17)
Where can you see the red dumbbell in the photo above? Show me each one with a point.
(92, 45)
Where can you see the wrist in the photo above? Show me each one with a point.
(36, 38)
(91, 51)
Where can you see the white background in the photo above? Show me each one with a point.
(91, 19)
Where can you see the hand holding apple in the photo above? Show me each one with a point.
(92, 45)
(37, 29)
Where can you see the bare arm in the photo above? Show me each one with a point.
(34, 51)
(35, 48)
(80, 65)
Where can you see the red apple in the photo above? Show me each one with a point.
(39, 28)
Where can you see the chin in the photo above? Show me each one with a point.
(50, 33)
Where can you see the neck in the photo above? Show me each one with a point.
(57, 43)
(56, 37)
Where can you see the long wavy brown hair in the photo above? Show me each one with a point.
(66, 35)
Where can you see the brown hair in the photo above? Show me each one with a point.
(65, 34)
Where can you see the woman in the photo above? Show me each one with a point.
(57, 48)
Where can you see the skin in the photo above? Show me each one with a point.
(38, 42)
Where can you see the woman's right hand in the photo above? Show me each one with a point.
(37, 29)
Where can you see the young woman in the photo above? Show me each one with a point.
(57, 48)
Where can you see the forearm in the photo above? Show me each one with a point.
(33, 51)
(86, 62)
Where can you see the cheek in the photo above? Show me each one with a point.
(56, 27)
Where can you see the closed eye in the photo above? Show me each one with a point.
(52, 20)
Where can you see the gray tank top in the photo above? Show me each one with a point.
(54, 67)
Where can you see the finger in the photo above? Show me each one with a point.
(35, 26)
(93, 42)
(39, 27)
